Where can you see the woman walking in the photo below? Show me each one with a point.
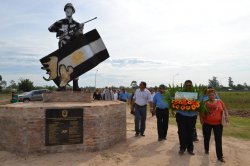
(213, 120)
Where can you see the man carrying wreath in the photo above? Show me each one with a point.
(186, 123)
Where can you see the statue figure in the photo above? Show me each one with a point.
(67, 29)
(77, 53)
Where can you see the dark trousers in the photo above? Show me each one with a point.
(140, 118)
(218, 129)
(162, 116)
(195, 136)
(185, 131)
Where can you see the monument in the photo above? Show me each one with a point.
(77, 53)
(65, 120)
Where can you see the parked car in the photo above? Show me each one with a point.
(34, 95)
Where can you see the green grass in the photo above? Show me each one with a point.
(238, 128)
(236, 100)
(5, 98)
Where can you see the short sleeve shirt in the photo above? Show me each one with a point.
(142, 97)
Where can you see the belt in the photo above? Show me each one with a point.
(161, 108)
(140, 105)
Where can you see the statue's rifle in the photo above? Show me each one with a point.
(74, 29)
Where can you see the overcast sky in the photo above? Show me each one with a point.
(157, 41)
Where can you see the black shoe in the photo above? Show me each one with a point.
(164, 138)
(136, 134)
(142, 134)
(160, 139)
(222, 160)
(181, 152)
(191, 152)
(206, 152)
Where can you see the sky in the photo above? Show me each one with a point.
(156, 41)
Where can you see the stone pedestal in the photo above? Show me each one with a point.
(67, 96)
(23, 126)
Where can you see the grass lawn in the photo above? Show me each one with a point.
(236, 100)
(5, 98)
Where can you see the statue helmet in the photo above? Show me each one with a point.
(69, 5)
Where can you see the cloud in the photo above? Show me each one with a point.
(147, 40)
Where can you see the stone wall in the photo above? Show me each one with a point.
(22, 126)
(67, 96)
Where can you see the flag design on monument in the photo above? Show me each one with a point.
(75, 58)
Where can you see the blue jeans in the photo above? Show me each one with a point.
(140, 118)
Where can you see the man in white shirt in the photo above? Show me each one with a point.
(108, 94)
(115, 95)
(141, 97)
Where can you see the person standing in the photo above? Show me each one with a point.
(186, 123)
(141, 97)
(115, 95)
(162, 112)
(123, 95)
(152, 91)
(14, 97)
(108, 94)
(97, 95)
(213, 121)
(67, 29)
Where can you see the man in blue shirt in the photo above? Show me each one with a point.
(123, 96)
(162, 113)
(186, 124)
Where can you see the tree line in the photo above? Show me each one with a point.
(231, 86)
(25, 85)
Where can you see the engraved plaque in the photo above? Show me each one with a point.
(64, 127)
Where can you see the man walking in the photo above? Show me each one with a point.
(162, 113)
(141, 97)
(186, 123)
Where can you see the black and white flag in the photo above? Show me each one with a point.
(75, 58)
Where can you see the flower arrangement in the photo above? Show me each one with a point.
(185, 104)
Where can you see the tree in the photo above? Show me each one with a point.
(239, 87)
(12, 85)
(213, 82)
(25, 85)
(230, 82)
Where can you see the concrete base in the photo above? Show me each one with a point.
(22, 126)
(67, 96)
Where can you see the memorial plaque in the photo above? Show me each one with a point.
(64, 126)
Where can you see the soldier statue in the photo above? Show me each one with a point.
(67, 30)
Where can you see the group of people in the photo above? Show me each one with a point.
(68, 29)
(111, 94)
(186, 120)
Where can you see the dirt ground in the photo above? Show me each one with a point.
(145, 151)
